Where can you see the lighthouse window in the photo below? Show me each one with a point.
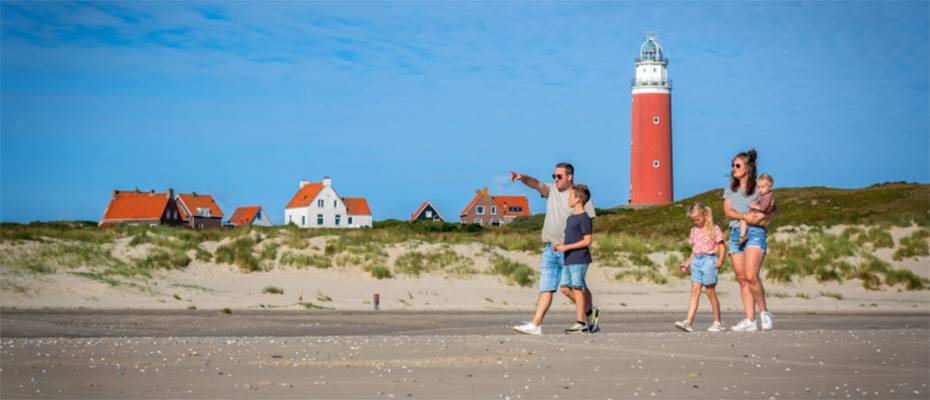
(655, 120)
(655, 163)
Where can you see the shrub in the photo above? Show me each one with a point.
(379, 272)
(516, 272)
(272, 290)
(914, 245)
(305, 260)
(239, 252)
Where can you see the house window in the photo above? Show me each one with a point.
(496, 222)
(290, 219)
(516, 209)
(338, 218)
(335, 204)
(479, 221)
(493, 210)
(204, 212)
(350, 220)
(655, 120)
(303, 220)
(200, 226)
(319, 219)
(319, 203)
(655, 163)
(479, 210)
(429, 214)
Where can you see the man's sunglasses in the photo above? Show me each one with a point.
(556, 176)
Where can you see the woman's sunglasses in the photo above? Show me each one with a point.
(737, 165)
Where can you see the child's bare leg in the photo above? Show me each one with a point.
(567, 291)
(588, 302)
(542, 306)
(695, 297)
(743, 228)
(579, 304)
(714, 302)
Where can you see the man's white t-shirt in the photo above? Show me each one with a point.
(557, 213)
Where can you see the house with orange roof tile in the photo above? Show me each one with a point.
(485, 209)
(427, 212)
(249, 216)
(132, 207)
(199, 211)
(317, 205)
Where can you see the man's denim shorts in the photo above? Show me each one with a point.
(703, 270)
(573, 276)
(550, 270)
(756, 236)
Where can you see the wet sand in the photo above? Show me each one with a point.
(73, 354)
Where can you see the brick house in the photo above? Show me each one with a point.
(199, 211)
(132, 207)
(487, 210)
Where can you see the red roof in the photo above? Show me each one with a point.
(356, 206)
(305, 195)
(189, 203)
(419, 210)
(244, 215)
(505, 202)
(135, 205)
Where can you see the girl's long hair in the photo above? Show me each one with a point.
(749, 157)
(708, 217)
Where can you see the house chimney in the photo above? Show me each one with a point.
(194, 194)
(115, 192)
(170, 193)
(484, 191)
(303, 183)
(327, 181)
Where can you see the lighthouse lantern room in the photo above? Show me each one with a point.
(651, 134)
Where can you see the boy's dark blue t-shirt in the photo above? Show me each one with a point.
(577, 226)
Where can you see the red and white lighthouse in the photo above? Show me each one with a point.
(651, 135)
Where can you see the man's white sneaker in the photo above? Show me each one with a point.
(744, 326)
(766, 318)
(716, 327)
(528, 328)
(684, 325)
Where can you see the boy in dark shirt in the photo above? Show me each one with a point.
(578, 231)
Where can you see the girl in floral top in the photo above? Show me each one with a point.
(706, 258)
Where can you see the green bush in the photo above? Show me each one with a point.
(239, 252)
(305, 260)
(914, 245)
(272, 290)
(516, 272)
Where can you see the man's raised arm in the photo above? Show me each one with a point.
(532, 182)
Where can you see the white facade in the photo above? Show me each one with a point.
(326, 210)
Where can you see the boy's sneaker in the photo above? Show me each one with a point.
(528, 328)
(766, 320)
(684, 325)
(592, 320)
(716, 327)
(577, 327)
(744, 326)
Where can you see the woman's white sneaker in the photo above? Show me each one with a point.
(745, 326)
(766, 318)
(684, 325)
(716, 327)
(528, 328)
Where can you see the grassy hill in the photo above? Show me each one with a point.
(894, 204)
(637, 243)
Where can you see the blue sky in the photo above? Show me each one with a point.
(410, 101)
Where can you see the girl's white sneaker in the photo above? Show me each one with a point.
(716, 327)
(684, 325)
(745, 326)
(766, 318)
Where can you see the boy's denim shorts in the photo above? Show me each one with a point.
(573, 276)
(703, 270)
(550, 270)
(756, 237)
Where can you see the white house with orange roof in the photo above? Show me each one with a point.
(317, 205)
